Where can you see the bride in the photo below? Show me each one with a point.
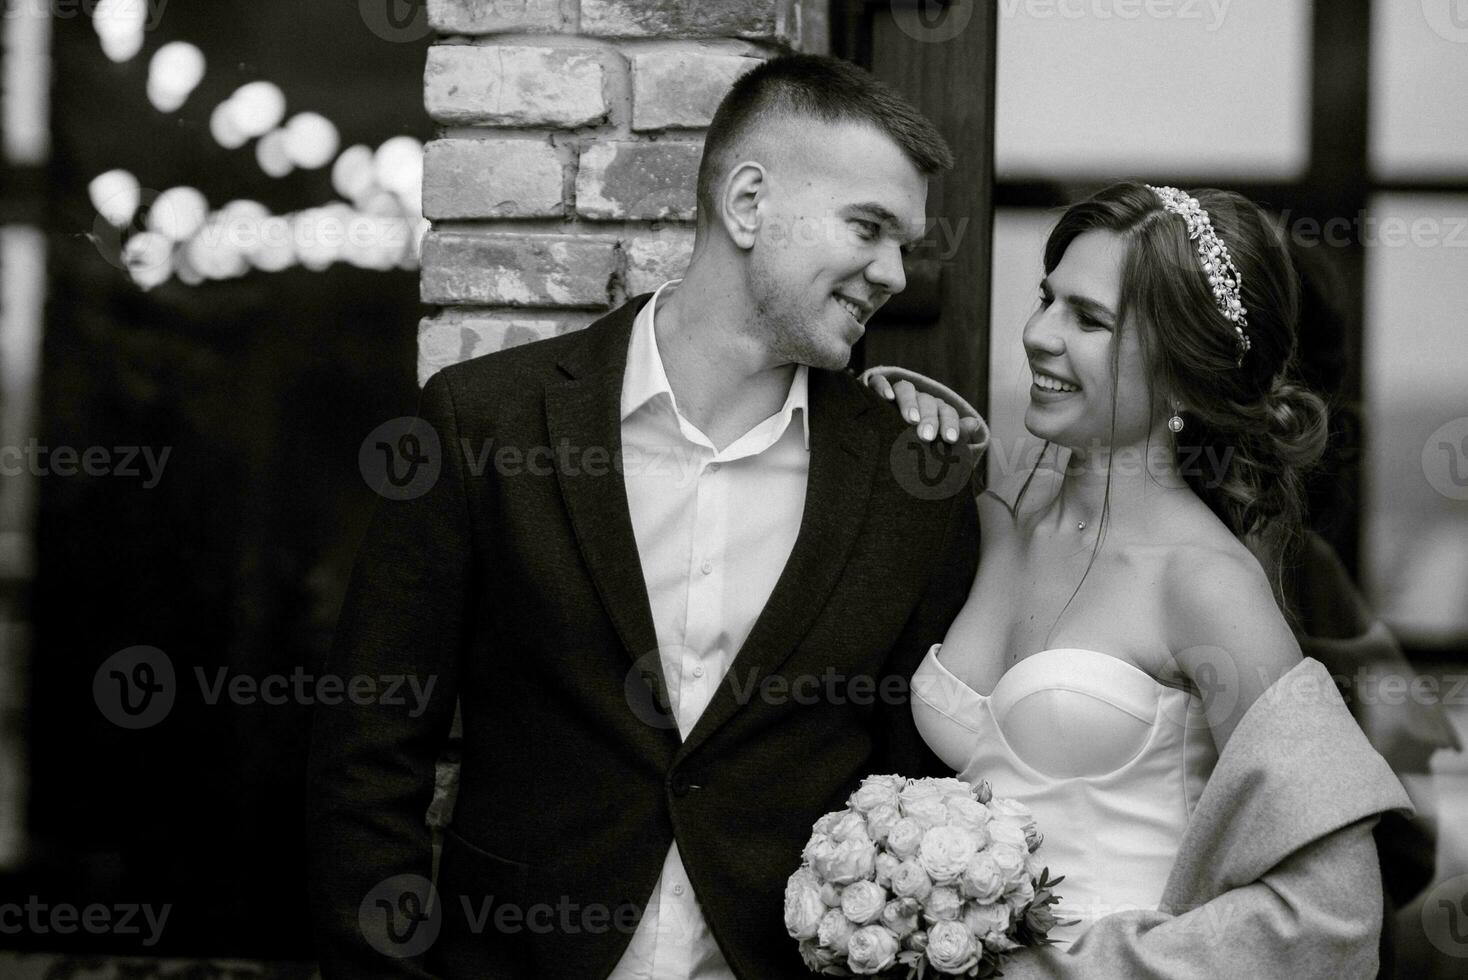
(1124, 665)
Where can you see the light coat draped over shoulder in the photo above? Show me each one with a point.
(1277, 874)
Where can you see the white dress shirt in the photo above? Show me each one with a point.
(714, 529)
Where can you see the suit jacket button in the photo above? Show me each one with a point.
(679, 784)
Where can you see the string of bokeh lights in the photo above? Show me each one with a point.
(378, 224)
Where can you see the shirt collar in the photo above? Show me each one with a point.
(645, 379)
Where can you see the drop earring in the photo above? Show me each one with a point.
(1176, 422)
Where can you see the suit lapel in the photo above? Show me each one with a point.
(843, 460)
(583, 414)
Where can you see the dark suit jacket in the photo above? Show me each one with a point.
(518, 589)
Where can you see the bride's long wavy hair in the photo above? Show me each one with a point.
(1257, 425)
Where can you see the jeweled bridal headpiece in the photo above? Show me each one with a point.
(1223, 276)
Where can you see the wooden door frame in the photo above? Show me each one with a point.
(940, 325)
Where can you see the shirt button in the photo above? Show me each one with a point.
(707, 567)
(678, 890)
(714, 467)
(698, 672)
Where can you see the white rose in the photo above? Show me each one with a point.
(881, 820)
(872, 949)
(927, 813)
(920, 789)
(883, 867)
(911, 881)
(948, 786)
(983, 919)
(862, 901)
(982, 880)
(823, 826)
(969, 814)
(852, 826)
(952, 948)
(803, 905)
(1007, 834)
(943, 904)
(835, 930)
(845, 862)
(812, 846)
(816, 956)
(1011, 862)
(831, 895)
(905, 837)
(875, 791)
(945, 853)
(1012, 811)
(901, 916)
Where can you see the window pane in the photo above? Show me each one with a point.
(1143, 87)
(1419, 74)
(1416, 516)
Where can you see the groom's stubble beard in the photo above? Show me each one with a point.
(791, 332)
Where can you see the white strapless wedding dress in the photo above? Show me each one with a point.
(1110, 762)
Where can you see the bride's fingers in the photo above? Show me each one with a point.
(930, 409)
(948, 422)
(907, 401)
(881, 386)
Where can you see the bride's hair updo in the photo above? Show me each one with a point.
(1251, 429)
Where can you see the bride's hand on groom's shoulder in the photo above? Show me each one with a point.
(935, 410)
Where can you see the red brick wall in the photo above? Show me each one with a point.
(562, 181)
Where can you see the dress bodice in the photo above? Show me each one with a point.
(1110, 761)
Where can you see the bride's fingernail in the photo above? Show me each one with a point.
(912, 415)
(926, 432)
(950, 434)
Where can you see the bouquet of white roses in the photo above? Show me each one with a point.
(930, 876)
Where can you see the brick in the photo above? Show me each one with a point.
(494, 16)
(492, 178)
(620, 180)
(768, 20)
(514, 85)
(653, 260)
(457, 335)
(517, 270)
(682, 87)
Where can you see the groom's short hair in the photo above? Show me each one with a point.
(818, 87)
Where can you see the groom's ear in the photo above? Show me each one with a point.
(745, 190)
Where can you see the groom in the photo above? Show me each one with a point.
(682, 629)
